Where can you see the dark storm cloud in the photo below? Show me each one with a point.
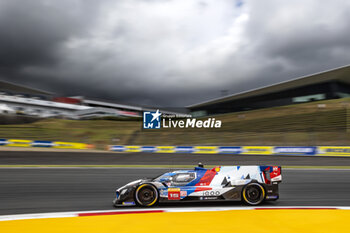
(169, 53)
(290, 39)
(31, 30)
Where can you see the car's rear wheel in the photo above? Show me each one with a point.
(253, 194)
(146, 195)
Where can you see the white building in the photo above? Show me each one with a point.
(24, 101)
(40, 108)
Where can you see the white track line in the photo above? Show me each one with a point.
(130, 211)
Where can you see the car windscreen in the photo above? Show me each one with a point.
(184, 177)
(163, 177)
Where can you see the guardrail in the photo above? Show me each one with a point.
(37, 143)
(245, 150)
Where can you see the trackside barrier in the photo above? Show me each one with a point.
(20, 143)
(205, 149)
(39, 143)
(244, 150)
(69, 145)
(230, 150)
(165, 149)
(260, 150)
(302, 150)
(334, 150)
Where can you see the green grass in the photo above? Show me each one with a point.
(316, 123)
(99, 132)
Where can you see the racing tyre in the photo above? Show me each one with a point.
(253, 194)
(146, 195)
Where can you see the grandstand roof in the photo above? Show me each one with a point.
(12, 87)
(341, 74)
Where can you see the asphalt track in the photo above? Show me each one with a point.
(37, 190)
(92, 158)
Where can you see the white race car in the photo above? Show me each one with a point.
(251, 184)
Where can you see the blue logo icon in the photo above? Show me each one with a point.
(151, 120)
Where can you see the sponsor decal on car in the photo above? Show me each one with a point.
(207, 178)
(211, 193)
(163, 193)
(174, 194)
(183, 193)
(210, 198)
(128, 203)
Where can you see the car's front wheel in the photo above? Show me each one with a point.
(253, 194)
(146, 195)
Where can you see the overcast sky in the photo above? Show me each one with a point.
(168, 52)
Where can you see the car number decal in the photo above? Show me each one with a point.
(174, 194)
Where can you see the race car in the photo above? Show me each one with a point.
(250, 184)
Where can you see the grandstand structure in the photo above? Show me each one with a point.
(320, 123)
(330, 84)
(21, 102)
(7, 88)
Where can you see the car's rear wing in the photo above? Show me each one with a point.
(271, 174)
